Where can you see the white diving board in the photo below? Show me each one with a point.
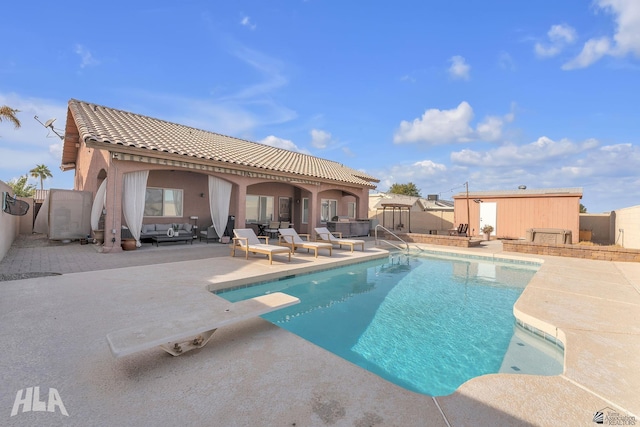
(177, 336)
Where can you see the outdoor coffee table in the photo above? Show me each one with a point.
(161, 239)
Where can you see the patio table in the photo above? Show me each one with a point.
(181, 238)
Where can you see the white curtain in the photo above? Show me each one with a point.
(219, 199)
(98, 204)
(134, 189)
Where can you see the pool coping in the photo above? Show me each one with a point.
(280, 378)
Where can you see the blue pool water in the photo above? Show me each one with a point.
(425, 323)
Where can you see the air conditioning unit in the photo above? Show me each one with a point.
(433, 197)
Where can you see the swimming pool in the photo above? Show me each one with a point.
(425, 323)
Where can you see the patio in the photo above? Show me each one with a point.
(255, 373)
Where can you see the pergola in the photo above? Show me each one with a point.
(393, 207)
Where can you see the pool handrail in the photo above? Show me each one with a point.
(388, 242)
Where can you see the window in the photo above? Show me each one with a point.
(328, 209)
(259, 208)
(305, 211)
(351, 210)
(163, 202)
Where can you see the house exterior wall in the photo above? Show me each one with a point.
(627, 220)
(516, 214)
(193, 185)
(93, 165)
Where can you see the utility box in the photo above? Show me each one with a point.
(65, 215)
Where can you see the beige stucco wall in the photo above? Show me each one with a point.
(421, 221)
(26, 221)
(627, 220)
(516, 214)
(9, 225)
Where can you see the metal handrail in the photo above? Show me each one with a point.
(386, 241)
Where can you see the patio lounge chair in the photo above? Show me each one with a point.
(324, 234)
(290, 237)
(177, 336)
(460, 231)
(247, 241)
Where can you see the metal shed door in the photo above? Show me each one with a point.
(488, 216)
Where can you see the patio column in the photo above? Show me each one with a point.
(241, 205)
(314, 214)
(113, 217)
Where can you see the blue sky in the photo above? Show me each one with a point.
(496, 93)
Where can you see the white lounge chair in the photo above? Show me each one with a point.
(177, 336)
(247, 241)
(324, 234)
(290, 237)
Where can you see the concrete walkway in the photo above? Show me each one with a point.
(255, 374)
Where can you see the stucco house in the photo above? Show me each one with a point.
(513, 212)
(183, 173)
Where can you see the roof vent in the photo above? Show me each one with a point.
(522, 187)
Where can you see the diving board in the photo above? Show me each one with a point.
(177, 336)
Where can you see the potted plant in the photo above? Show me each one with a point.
(487, 230)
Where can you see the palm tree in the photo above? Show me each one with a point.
(9, 113)
(42, 172)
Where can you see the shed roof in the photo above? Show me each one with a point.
(576, 191)
(113, 129)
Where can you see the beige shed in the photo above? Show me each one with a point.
(513, 212)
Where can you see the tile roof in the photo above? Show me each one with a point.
(108, 126)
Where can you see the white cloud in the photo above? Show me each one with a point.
(625, 40)
(419, 172)
(559, 36)
(319, 138)
(86, 57)
(347, 152)
(246, 22)
(446, 126)
(235, 113)
(459, 69)
(438, 126)
(274, 141)
(592, 51)
(270, 68)
(506, 62)
(428, 167)
(543, 149)
(490, 129)
(408, 78)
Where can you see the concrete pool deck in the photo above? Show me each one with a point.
(253, 373)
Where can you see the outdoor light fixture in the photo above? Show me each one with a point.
(477, 200)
